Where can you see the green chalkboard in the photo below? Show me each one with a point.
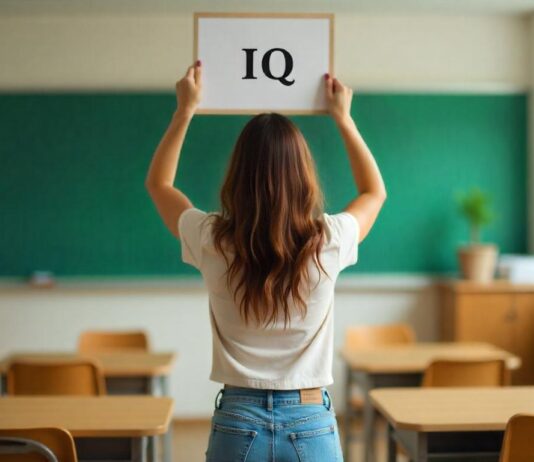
(73, 166)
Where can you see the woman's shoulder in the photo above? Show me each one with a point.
(194, 214)
(339, 226)
(196, 221)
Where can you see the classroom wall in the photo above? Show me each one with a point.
(372, 52)
(382, 53)
(176, 318)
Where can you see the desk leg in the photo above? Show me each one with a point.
(349, 413)
(167, 438)
(421, 452)
(392, 445)
(368, 420)
(152, 449)
(139, 449)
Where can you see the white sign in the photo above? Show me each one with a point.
(263, 62)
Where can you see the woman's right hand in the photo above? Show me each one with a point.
(189, 90)
(338, 97)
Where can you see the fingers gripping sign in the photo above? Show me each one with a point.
(338, 97)
(189, 89)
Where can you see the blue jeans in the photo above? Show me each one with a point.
(252, 425)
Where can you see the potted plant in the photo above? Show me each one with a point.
(477, 260)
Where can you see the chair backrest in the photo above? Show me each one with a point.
(385, 334)
(518, 443)
(77, 377)
(444, 373)
(37, 445)
(104, 341)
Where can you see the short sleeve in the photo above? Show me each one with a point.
(190, 228)
(345, 231)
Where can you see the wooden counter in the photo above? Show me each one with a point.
(499, 313)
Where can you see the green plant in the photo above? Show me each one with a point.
(476, 208)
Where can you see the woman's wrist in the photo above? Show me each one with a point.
(344, 121)
(183, 114)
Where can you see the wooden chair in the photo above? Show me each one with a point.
(444, 373)
(37, 445)
(76, 377)
(107, 341)
(364, 337)
(518, 443)
(386, 334)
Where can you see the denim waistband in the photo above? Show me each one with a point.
(265, 398)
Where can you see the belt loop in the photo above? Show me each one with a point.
(329, 399)
(221, 392)
(269, 400)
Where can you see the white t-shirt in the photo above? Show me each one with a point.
(272, 357)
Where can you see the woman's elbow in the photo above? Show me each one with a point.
(150, 186)
(381, 196)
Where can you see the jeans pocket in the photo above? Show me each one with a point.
(319, 445)
(229, 444)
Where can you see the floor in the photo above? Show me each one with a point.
(191, 439)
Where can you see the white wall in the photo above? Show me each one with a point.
(177, 320)
(371, 52)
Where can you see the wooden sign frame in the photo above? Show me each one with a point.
(329, 16)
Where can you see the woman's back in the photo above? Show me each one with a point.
(274, 356)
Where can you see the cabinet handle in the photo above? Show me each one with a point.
(511, 316)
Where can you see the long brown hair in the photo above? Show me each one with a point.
(271, 219)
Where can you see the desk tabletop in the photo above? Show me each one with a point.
(106, 416)
(452, 409)
(415, 357)
(119, 364)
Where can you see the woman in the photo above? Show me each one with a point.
(270, 259)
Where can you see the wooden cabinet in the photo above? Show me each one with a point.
(524, 336)
(499, 313)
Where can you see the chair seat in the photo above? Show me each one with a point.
(37, 444)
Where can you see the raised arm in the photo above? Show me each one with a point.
(170, 201)
(372, 192)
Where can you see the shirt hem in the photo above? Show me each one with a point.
(278, 384)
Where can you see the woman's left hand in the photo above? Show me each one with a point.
(189, 89)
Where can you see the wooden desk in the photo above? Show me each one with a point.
(112, 428)
(126, 373)
(401, 366)
(459, 422)
(114, 365)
